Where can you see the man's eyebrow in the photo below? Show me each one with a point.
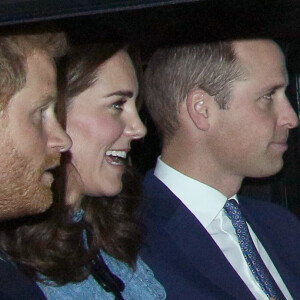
(49, 98)
(124, 93)
(275, 87)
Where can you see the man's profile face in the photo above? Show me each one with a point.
(31, 142)
(250, 137)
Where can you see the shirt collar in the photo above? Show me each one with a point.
(206, 206)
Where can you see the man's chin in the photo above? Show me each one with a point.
(272, 170)
(44, 201)
(32, 204)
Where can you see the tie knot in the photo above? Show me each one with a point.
(231, 202)
(231, 205)
(232, 209)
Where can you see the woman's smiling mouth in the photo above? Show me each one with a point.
(116, 157)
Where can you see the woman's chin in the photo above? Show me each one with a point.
(107, 191)
(114, 191)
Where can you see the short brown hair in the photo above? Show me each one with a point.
(175, 71)
(15, 49)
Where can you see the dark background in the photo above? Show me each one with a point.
(150, 24)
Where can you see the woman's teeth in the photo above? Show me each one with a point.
(121, 154)
(116, 157)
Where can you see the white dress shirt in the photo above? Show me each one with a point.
(207, 207)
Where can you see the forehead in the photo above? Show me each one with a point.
(261, 59)
(40, 86)
(40, 80)
(118, 73)
(40, 69)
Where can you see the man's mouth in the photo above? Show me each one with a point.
(281, 146)
(116, 157)
(47, 177)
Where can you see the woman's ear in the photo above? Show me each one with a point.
(198, 103)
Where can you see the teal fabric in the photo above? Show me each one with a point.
(139, 284)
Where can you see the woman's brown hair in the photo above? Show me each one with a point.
(113, 219)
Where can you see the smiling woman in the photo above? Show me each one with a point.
(102, 121)
(100, 88)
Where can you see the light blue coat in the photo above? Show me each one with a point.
(139, 284)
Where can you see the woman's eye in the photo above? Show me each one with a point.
(118, 105)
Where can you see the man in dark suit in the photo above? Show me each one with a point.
(31, 139)
(223, 115)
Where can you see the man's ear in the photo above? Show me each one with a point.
(198, 107)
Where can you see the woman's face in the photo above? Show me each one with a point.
(102, 121)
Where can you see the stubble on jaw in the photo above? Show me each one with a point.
(21, 190)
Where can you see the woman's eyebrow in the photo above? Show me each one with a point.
(124, 93)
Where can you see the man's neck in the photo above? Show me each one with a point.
(227, 184)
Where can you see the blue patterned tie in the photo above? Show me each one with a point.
(253, 259)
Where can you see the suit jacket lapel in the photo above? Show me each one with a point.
(192, 239)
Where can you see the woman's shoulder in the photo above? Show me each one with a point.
(87, 289)
(139, 282)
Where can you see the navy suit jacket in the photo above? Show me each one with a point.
(15, 285)
(190, 265)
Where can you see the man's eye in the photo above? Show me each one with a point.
(40, 113)
(43, 111)
(268, 97)
(118, 105)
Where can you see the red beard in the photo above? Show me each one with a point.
(21, 189)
